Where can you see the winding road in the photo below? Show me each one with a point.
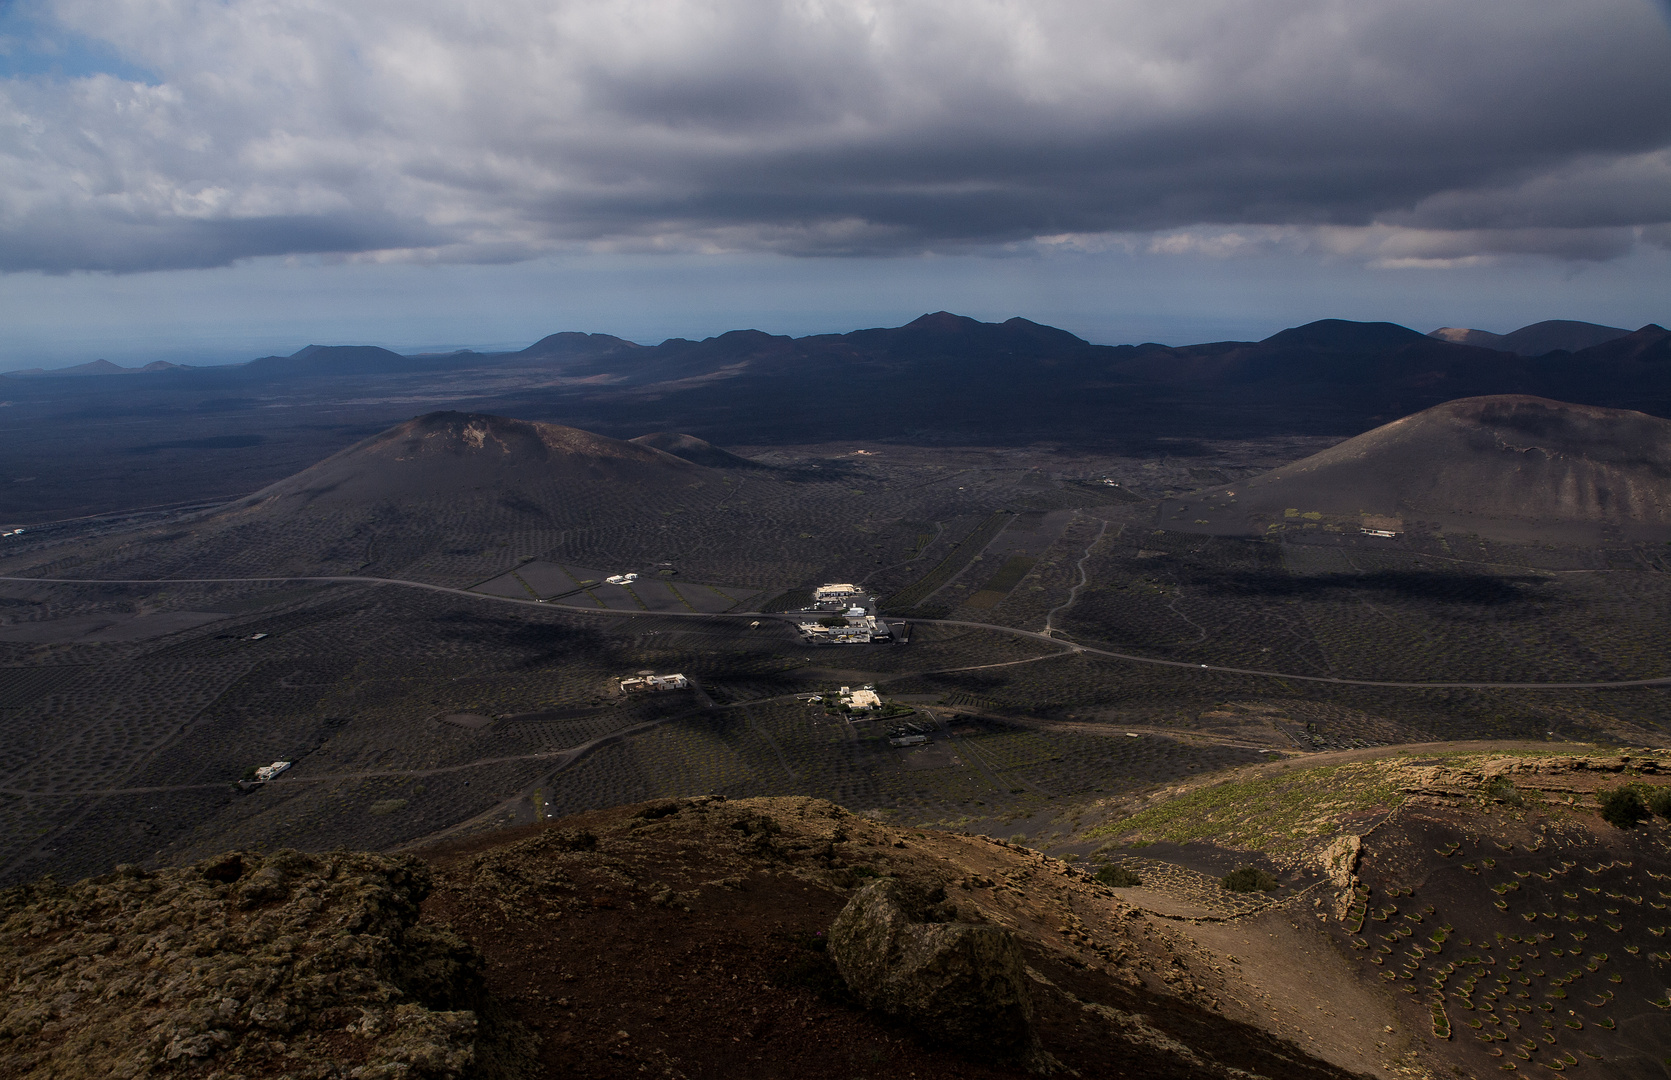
(1051, 636)
(516, 805)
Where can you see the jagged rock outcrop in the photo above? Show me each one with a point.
(1339, 861)
(287, 964)
(958, 983)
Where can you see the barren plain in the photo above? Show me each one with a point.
(1063, 642)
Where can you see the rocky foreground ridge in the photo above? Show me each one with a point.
(685, 938)
(789, 937)
(296, 965)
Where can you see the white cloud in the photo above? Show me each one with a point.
(502, 129)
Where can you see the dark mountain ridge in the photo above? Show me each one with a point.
(324, 360)
(941, 379)
(1551, 335)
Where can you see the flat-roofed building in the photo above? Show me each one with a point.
(654, 683)
(862, 699)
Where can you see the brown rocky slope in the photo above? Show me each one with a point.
(680, 939)
(686, 938)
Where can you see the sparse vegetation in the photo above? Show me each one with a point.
(1269, 813)
(1622, 807)
(1502, 789)
(1118, 877)
(1248, 879)
(1659, 801)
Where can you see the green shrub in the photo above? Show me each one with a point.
(1622, 807)
(1118, 877)
(1248, 879)
(1503, 790)
(1659, 801)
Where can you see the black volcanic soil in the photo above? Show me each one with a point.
(683, 939)
(1537, 931)
(694, 450)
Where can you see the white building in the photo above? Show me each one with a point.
(267, 772)
(825, 593)
(860, 629)
(861, 699)
(621, 579)
(654, 683)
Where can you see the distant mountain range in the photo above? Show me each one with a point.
(945, 376)
(1538, 339)
(100, 367)
(1554, 335)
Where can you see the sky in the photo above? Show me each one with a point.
(211, 180)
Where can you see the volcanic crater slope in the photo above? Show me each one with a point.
(1510, 466)
(455, 454)
(450, 497)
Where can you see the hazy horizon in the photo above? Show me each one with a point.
(215, 182)
(221, 316)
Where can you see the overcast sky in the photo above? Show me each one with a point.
(212, 179)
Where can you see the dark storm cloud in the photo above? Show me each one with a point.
(1381, 129)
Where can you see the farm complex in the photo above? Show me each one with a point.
(842, 615)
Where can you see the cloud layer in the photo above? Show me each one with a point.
(1404, 131)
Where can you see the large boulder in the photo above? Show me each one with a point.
(956, 983)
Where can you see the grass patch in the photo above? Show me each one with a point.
(1268, 813)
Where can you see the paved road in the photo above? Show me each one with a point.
(1052, 638)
